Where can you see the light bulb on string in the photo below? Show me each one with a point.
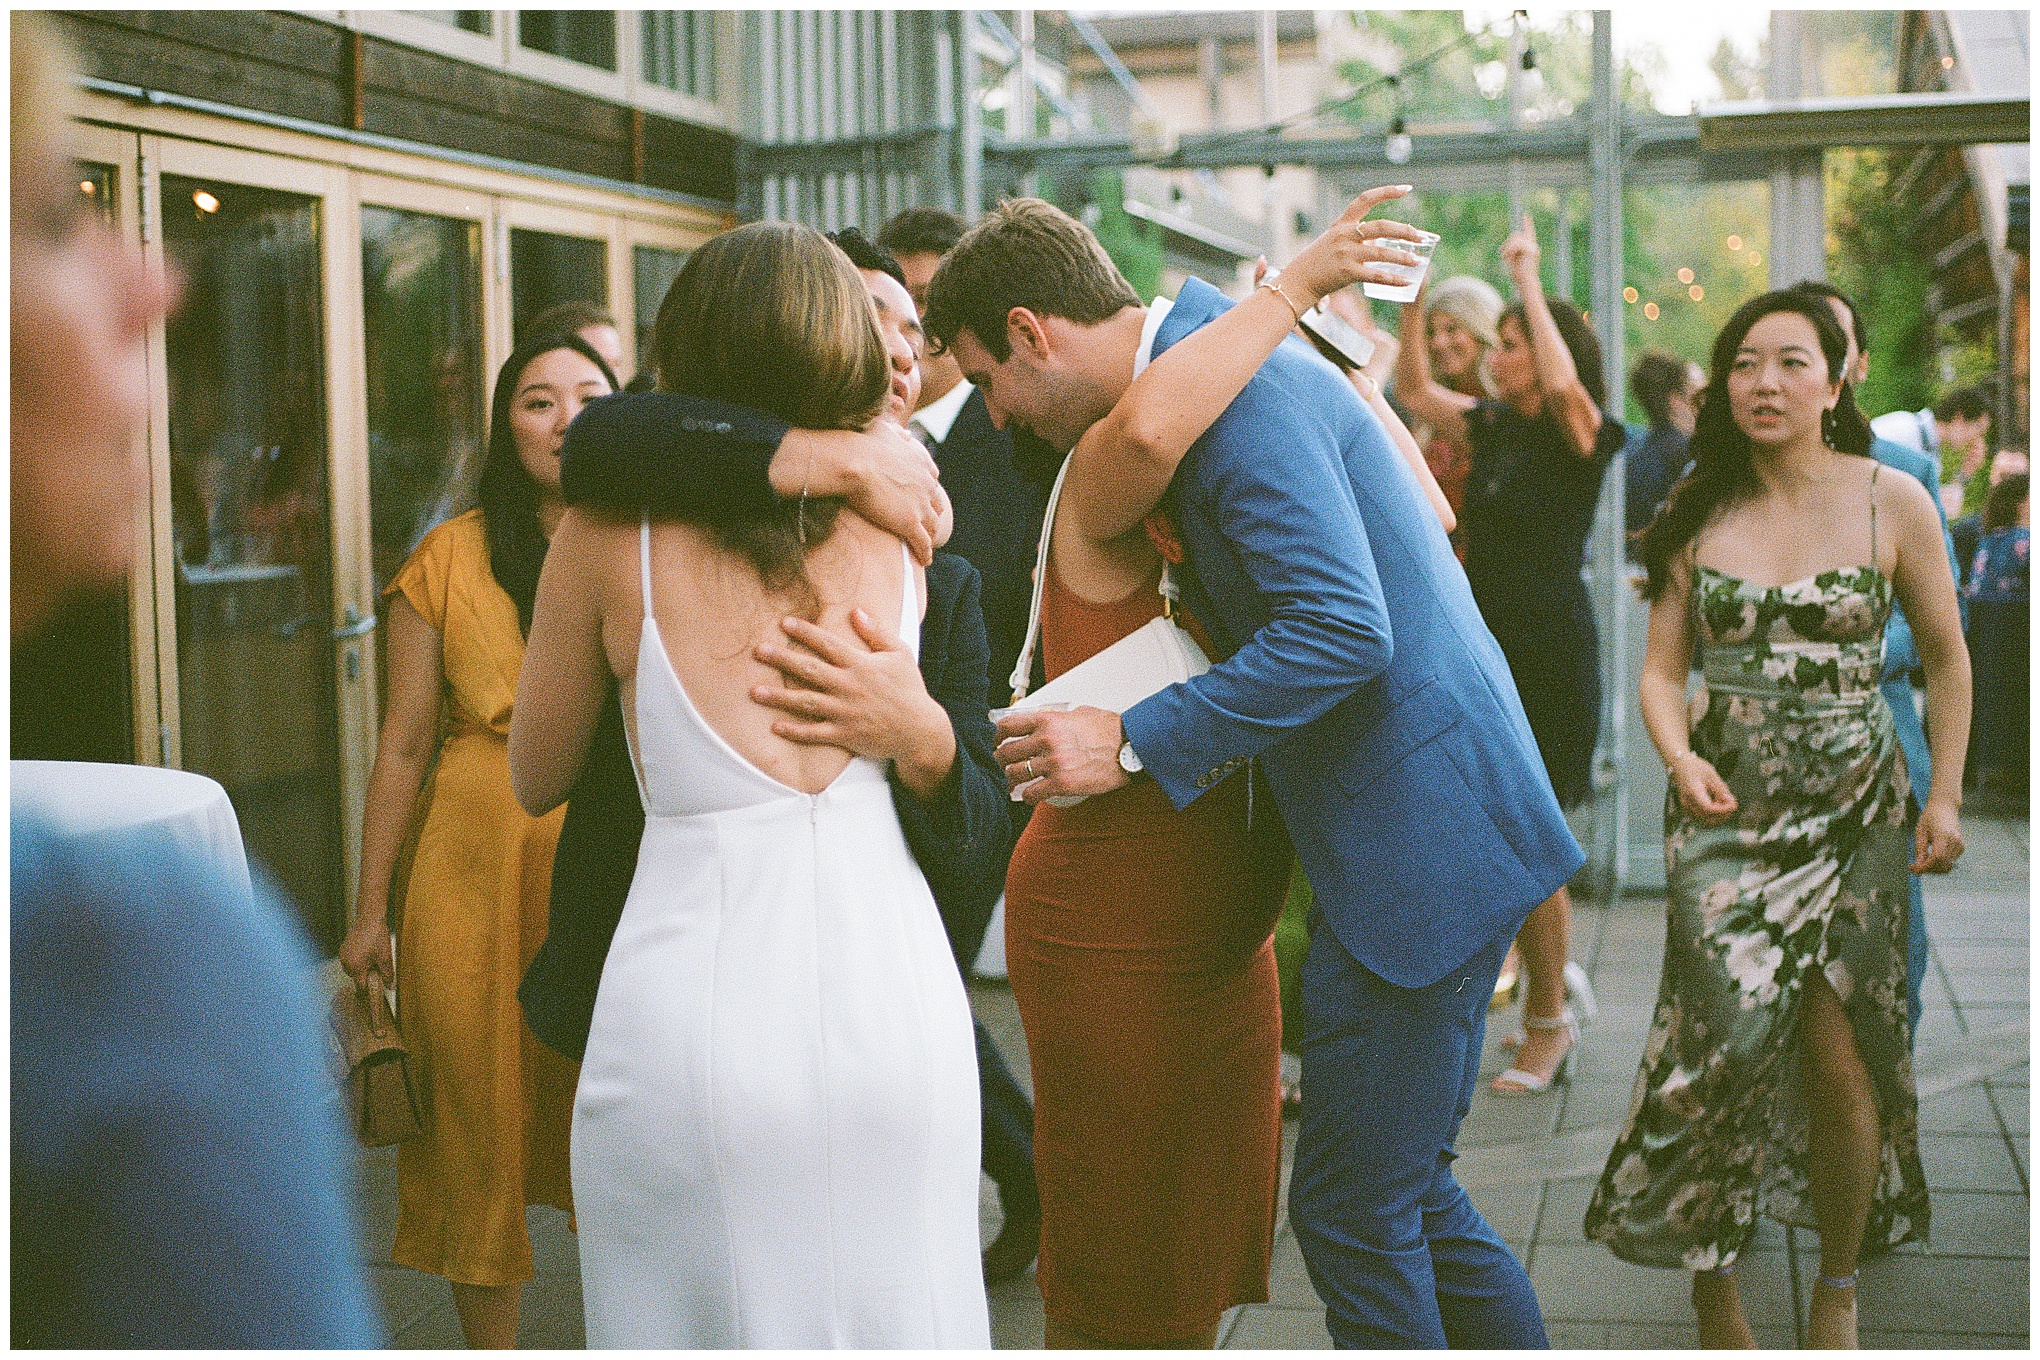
(1399, 147)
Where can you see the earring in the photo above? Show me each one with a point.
(1827, 427)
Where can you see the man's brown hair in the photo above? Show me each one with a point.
(1023, 253)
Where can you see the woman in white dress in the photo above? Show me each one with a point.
(775, 1139)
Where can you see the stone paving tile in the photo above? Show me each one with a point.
(1971, 1223)
(557, 1324)
(406, 1295)
(1938, 1341)
(1598, 1102)
(2014, 1106)
(1016, 1321)
(1507, 1119)
(1940, 1294)
(1980, 958)
(1966, 1109)
(1974, 990)
(1288, 1281)
(1264, 1328)
(1586, 1283)
(1968, 1162)
(1647, 1336)
(1511, 1210)
(438, 1330)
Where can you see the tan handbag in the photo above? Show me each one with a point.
(382, 1098)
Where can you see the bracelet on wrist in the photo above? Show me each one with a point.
(1276, 288)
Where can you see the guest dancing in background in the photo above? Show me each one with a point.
(1776, 1078)
(1539, 452)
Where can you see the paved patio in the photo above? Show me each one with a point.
(1530, 1163)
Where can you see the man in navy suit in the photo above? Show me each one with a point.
(1385, 718)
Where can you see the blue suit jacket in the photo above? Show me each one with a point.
(1381, 707)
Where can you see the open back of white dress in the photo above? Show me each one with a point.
(775, 1139)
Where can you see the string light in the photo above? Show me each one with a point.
(1685, 276)
(1696, 292)
(1650, 311)
(1735, 243)
(205, 202)
(1399, 146)
(1629, 295)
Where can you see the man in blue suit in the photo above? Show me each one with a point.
(1361, 676)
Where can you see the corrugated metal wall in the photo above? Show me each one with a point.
(854, 114)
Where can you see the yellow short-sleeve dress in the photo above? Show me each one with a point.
(498, 1103)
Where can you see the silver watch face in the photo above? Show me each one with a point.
(1129, 761)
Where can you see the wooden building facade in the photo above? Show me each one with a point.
(362, 208)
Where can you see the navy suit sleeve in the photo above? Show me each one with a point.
(180, 1177)
(678, 456)
(963, 837)
(592, 869)
(1272, 468)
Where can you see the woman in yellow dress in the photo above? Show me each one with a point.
(497, 1103)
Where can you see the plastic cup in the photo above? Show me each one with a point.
(1019, 792)
(1413, 275)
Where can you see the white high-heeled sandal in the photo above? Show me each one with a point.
(1529, 1083)
(1577, 990)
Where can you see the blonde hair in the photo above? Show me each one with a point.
(772, 315)
(1472, 302)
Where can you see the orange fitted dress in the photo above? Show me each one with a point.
(1139, 944)
(498, 1102)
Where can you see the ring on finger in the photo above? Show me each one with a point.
(1030, 767)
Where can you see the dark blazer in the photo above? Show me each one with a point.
(961, 839)
(998, 528)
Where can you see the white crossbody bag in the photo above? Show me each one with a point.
(1144, 662)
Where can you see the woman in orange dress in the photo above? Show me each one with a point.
(1139, 939)
(498, 1103)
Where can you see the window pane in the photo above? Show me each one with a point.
(584, 35)
(251, 521)
(466, 20)
(422, 327)
(653, 273)
(546, 269)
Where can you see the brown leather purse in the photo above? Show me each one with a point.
(381, 1096)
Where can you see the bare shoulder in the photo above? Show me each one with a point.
(1904, 500)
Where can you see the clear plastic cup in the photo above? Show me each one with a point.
(1412, 274)
(1019, 793)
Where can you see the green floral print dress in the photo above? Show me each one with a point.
(1809, 872)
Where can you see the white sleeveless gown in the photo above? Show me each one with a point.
(775, 1139)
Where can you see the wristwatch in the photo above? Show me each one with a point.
(1129, 759)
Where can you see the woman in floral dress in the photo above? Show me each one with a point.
(1776, 1078)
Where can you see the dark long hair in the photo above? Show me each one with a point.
(1579, 339)
(772, 315)
(508, 495)
(1722, 469)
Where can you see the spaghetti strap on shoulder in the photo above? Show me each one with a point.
(645, 561)
(1875, 468)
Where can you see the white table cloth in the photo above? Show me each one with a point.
(90, 801)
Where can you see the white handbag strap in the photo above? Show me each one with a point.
(1023, 669)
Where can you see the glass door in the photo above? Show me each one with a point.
(259, 693)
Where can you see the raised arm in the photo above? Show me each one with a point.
(1430, 401)
(1565, 396)
(686, 457)
(1926, 591)
(1122, 465)
(565, 679)
(1405, 444)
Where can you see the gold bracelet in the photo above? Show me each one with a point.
(1276, 288)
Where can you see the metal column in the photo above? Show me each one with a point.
(1610, 856)
(1798, 202)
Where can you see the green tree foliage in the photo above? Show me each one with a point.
(1870, 258)
(1134, 246)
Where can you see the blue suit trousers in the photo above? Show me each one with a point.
(1394, 1247)
(1912, 740)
